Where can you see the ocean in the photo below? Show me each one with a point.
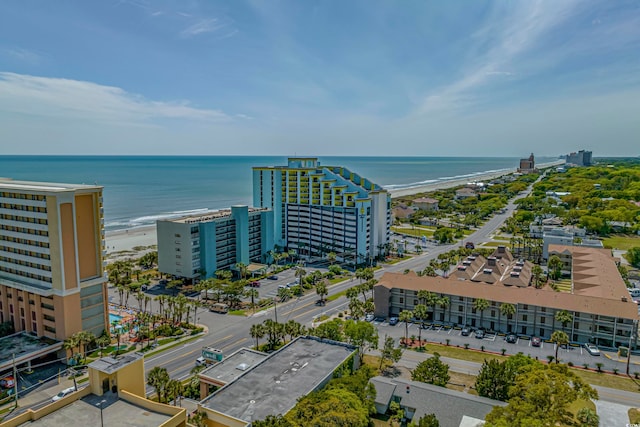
(138, 190)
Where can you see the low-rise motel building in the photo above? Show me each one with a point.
(596, 297)
(52, 280)
(115, 396)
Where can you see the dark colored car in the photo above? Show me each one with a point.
(536, 341)
(511, 339)
(465, 332)
(393, 321)
(272, 277)
(480, 334)
(254, 284)
(320, 302)
(144, 287)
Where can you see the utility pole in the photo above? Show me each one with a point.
(15, 378)
(634, 330)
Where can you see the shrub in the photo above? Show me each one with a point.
(586, 365)
(466, 346)
(550, 358)
(448, 341)
(570, 364)
(599, 365)
(615, 371)
(482, 348)
(503, 351)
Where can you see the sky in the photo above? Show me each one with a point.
(330, 77)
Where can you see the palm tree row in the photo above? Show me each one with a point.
(276, 332)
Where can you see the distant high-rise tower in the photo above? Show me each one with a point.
(321, 209)
(52, 280)
(581, 158)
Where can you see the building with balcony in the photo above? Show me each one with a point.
(52, 280)
(197, 245)
(321, 209)
(596, 298)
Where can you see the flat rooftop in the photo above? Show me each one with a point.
(233, 366)
(109, 365)
(275, 385)
(86, 412)
(25, 347)
(10, 184)
(209, 216)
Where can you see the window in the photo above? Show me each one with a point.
(401, 300)
(460, 308)
(525, 307)
(524, 317)
(543, 319)
(50, 329)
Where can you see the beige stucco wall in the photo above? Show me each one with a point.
(87, 236)
(68, 246)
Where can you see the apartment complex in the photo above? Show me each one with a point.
(198, 245)
(320, 209)
(597, 297)
(52, 280)
(581, 158)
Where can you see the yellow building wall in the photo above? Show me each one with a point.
(68, 246)
(67, 314)
(216, 419)
(131, 378)
(87, 236)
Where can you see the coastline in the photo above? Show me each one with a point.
(120, 243)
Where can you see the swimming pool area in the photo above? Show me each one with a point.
(114, 317)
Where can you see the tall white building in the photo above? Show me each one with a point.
(321, 209)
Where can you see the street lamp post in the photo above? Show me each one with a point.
(100, 405)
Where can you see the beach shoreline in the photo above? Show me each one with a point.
(120, 243)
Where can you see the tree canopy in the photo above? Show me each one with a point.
(432, 371)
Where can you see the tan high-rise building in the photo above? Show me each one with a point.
(52, 280)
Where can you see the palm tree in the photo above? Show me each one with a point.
(242, 270)
(564, 317)
(508, 310)
(331, 257)
(481, 304)
(559, 338)
(406, 316)
(429, 299)
(158, 378)
(554, 267)
(444, 302)
(174, 389)
(253, 294)
(537, 273)
(199, 419)
(103, 341)
(420, 312)
(71, 343)
(300, 273)
(257, 331)
(84, 339)
(321, 290)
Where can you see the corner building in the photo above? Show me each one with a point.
(52, 280)
(321, 209)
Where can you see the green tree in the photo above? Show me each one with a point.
(588, 418)
(537, 274)
(321, 290)
(174, 390)
(158, 378)
(541, 396)
(495, 377)
(406, 316)
(481, 304)
(554, 266)
(564, 317)
(330, 330)
(273, 421)
(633, 256)
(331, 257)
(428, 420)
(507, 310)
(363, 335)
(337, 407)
(199, 419)
(432, 371)
(559, 338)
(257, 331)
(420, 312)
(389, 352)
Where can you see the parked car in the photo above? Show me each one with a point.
(480, 334)
(63, 393)
(465, 332)
(144, 288)
(321, 302)
(369, 317)
(511, 338)
(7, 382)
(536, 341)
(272, 277)
(254, 284)
(592, 349)
(393, 321)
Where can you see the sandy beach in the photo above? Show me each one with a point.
(120, 243)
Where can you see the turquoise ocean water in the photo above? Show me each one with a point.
(138, 190)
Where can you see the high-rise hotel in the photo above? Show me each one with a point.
(52, 280)
(321, 209)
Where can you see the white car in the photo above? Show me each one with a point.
(592, 349)
(63, 393)
(369, 317)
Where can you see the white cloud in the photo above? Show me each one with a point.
(81, 100)
(209, 25)
(24, 55)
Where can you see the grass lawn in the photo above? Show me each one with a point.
(417, 232)
(460, 353)
(620, 382)
(396, 260)
(621, 241)
(634, 415)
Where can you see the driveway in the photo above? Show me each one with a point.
(612, 414)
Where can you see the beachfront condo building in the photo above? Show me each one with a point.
(596, 298)
(321, 209)
(52, 280)
(195, 246)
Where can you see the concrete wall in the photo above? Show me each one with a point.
(32, 415)
(178, 414)
(216, 419)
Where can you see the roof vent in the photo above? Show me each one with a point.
(242, 367)
(624, 299)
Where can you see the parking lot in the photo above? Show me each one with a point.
(495, 342)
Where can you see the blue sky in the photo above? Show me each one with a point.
(427, 78)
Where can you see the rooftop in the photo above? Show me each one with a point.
(86, 412)
(109, 365)
(10, 184)
(233, 366)
(274, 385)
(427, 399)
(25, 347)
(209, 216)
